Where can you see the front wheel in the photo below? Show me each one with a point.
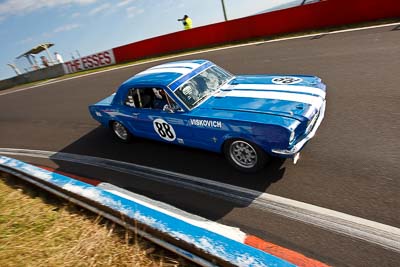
(244, 155)
(121, 132)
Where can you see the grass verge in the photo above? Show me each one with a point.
(38, 229)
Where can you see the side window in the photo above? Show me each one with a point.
(149, 98)
(162, 101)
(140, 98)
(132, 98)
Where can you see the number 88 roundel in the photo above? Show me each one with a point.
(164, 129)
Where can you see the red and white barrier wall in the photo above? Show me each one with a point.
(97, 60)
(311, 16)
(326, 13)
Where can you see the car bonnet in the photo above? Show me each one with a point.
(298, 97)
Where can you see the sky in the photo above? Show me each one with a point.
(84, 27)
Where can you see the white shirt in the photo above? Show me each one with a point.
(59, 58)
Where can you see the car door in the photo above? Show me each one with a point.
(147, 117)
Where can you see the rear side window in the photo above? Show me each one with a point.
(148, 98)
(139, 98)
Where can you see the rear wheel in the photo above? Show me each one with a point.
(121, 132)
(244, 155)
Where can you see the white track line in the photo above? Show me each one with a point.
(201, 52)
(373, 232)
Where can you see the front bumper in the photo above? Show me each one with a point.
(298, 146)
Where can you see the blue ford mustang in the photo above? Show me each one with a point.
(198, 104)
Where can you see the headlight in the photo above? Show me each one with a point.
(311, 123)
(291, 138)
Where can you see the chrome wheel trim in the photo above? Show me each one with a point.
(243, 154)
(120, 130)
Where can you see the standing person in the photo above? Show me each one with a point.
(58, 57)
(187, 22)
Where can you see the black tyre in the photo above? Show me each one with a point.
(120, 132)
(244, 155)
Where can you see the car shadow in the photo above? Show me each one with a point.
(319, 36)
(194, 162)
(396, 28)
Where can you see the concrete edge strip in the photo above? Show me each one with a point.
(200, 52)
(227, 231)
(206, 242)
(373, 232)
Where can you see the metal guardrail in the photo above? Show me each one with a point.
(186, 236)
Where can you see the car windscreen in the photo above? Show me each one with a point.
(199, 87)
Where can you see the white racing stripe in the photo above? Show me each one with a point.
(276, 87)
(182, 71)
(315, 101)
(376, 233)
(179, 65)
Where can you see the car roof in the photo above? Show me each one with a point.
(165, 74)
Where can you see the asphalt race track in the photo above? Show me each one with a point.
(351, 166)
